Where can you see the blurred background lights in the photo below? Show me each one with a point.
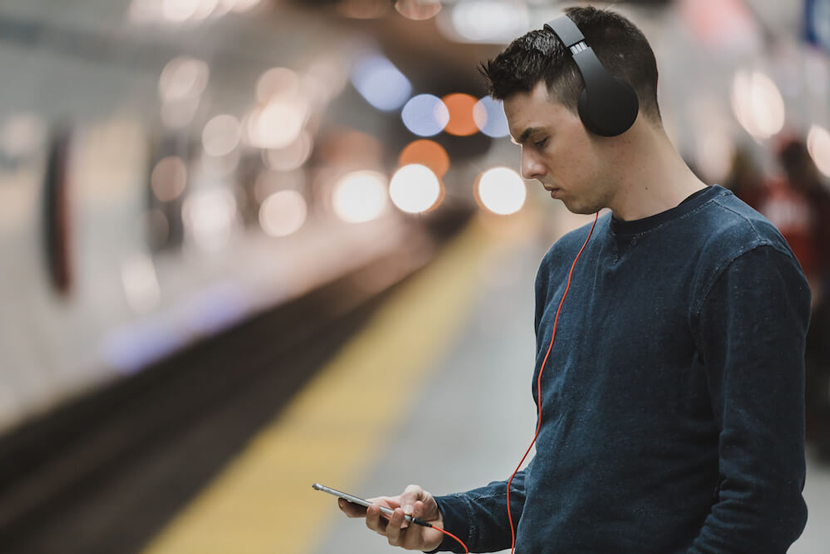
(460, 106)
(269, 182)
(277, 125)
(360, 196)
(181, 10)
(204, 9)
(381, 83)
(425, 115)
(182, 78)
(220, 166)
(427, 153)
(277, 82)
(818, 144)
(169, 178)
(715, 152)
(221, 135)
(289, 157)
(414, 188)
(141, 286)
(209, 216)
(418, 9)
(489, 21)
(489, 117)
(178, 114)
(363, 9)
(283, 213)
(240, 6)
(757, 104)
(501, 191)
(325, 78)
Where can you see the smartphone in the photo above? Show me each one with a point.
(363, 502)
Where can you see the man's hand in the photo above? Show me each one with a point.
(414, 501)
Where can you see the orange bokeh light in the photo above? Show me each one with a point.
(461, 107)
(428, 153)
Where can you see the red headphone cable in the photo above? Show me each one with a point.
(539, 385)
(425, 524)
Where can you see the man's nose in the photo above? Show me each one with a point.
(531, 167)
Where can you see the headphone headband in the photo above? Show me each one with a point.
(608, 105)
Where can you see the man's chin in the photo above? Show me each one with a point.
(577, 209)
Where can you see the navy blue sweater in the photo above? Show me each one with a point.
(673, 399)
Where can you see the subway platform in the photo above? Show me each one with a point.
(433, 388)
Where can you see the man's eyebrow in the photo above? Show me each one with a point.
(525, 135)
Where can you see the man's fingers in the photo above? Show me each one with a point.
(351, 510)
(374, 520)
(411, 494)
(393, 530)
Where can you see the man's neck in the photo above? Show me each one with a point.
(652, 176)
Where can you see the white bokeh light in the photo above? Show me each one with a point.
(502, 191)
(758, 104)
(221, 135)
(289, 157)
(141, 285)
(489, 21)
(178, 11)
(183, 78)
(818, 144)
(240, 6)
(277, 125)
(360, 196)
(277, 82)
(283, 213)
(414, 188)
(209, 216)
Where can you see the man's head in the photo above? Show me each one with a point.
(540, 85)
(539, 56)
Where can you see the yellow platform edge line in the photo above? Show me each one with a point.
(263, 502)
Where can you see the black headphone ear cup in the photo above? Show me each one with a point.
(614, 109)
(585, 112)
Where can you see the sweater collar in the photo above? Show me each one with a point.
(645, 224)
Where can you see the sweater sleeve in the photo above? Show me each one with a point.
(479, 517)
(753, 324)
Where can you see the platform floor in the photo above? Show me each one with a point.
(436, 391)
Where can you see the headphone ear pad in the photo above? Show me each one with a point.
(613, 110)
(585, 112)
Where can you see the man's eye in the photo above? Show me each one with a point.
(541, 143)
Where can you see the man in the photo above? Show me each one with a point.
(672, 416)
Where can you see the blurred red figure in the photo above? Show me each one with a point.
(799, 205)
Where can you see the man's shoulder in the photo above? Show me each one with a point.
(728, 227)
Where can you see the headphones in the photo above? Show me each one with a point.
(608, 105)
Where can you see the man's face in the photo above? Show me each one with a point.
(559, 152)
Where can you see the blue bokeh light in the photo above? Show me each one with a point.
(425, 115)
(490, 118)
(381, 83)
